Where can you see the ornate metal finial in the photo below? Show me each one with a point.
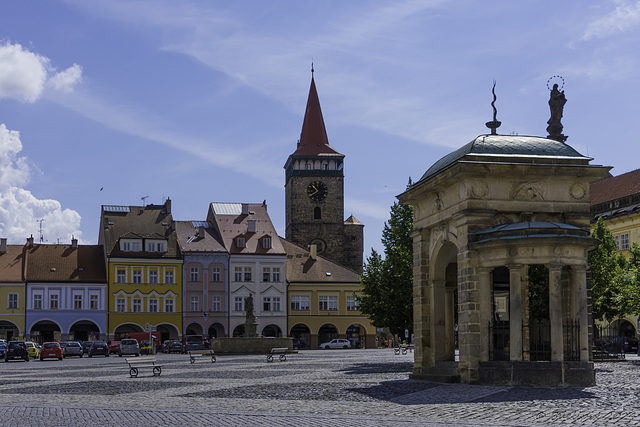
(494, 124)
(312, 70)
(556, 104)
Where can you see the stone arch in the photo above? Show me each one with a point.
(45, 330)
(624, 328)
(9, 330)
(327, 332)
(444, 278)
(85, 330)
(168, 331)
(216, 330)
(301, 335)
(271, 331)
(123, 329)
(238, 331)
(356, 334)
(194, 328)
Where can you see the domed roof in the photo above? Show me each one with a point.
(510, 149)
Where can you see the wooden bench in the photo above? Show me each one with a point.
(278, 351)
(195, 354)
(136, 363)
(402, 348)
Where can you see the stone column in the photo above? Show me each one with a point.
(450, 345)
(515, 312)
(438, 323)
(485, 310)
(579, 287)
(555, 312)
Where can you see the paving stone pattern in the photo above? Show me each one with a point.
(312, 388)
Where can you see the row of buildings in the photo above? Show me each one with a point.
(152, 272)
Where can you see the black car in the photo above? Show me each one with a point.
(99, 348)
(16, 350)
(175, 347)
(622, 344)
(3, 348)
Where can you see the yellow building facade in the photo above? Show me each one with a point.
(12, 291)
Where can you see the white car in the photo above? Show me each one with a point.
(337, 343)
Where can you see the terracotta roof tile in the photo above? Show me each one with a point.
(12, 264)
(615, 187)
(302, 268)
(64, 263)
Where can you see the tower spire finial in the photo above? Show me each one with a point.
(312, 70)
(494, 124)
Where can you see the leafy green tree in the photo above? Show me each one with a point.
(387, 284)
(609, 276)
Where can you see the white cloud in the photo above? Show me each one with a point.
(24, 74)
(19, 209)
(624, 17)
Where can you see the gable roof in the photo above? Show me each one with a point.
(12, 264)
(231, 220)
(65, 263)
(615, 187)
(302, 268)
(190, 239)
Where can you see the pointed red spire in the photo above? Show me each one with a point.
(313, 138)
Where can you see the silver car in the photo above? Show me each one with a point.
(129, 346)
(73, 348)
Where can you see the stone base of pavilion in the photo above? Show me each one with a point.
(443, 372)
(537, 374)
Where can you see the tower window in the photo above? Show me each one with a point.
(317, 213)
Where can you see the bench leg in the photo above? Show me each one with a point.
(133, 372)
(269, 358)
(192, 359)
(404, 351)
(157, 371)
(283, 358)
(213, 359)
(396, 351)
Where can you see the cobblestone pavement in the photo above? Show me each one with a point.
(312, 388)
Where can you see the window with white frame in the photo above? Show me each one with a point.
(276, 304)
(77, 301)
(153, 305)
(266, 242)
(168, 277)
(93, 302)
(12, 300)
(168, 305)
(237, 274)
(624, 242)
(54, 300)
(130, 245)
(352, 303)
(136, 307)
(216, 274)
(247, 274)
(276, 274)
(195, 303)
(37, 301)
(153, 276)
(156, 246)
(299, 302)
(328, 303)
(216, 303)
(238, 304)
(194, 274)
(266, 303)
(137, 276)
(121, 305)
(266, 274)
(121, 275)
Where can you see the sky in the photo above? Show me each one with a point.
(130, 102)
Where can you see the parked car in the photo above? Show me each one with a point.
(16, 350)
(336, 343)
(33, 349)
(3, 348)
(114, 347)
(86, 345)
(620, 344)
(51, 350)
(99, 348)
(129, 346)
(72, 348)
(175, 347)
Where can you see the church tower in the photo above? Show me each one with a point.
(314, 194)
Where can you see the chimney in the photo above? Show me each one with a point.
(245, 209)
(74, 242)
(167, 206)
(30, 240)
(201, 231)
(313, 252)
(3, 245)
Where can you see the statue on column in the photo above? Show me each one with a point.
(248, 306)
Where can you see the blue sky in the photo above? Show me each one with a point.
(203, 101)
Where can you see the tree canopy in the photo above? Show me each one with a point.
(387, 283)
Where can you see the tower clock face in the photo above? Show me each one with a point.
(317, 191)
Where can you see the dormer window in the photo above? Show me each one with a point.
(240, 242)
(130, 245)
(266, 242)
(156, 246)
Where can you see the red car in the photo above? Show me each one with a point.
(114, 347)
(51, 350)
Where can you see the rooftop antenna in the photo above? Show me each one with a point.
(494, 124)
(144, 200)
(41, 234)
